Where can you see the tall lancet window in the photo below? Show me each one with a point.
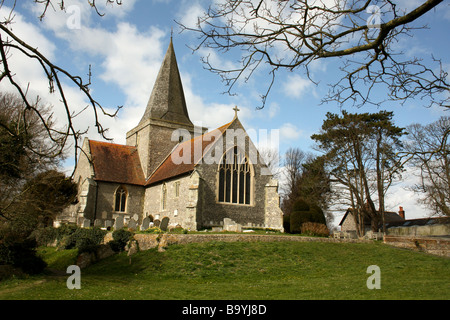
(121, 199)
(235, 178)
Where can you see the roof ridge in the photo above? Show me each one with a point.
(112, 143)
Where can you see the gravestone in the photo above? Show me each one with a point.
(118, 224)
(145, 223)
(98, 223)
(230, 225)
(109, 223)
(132, 224)
(86, 223)
(156, 223)
(164, 224)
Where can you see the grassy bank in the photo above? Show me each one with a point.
(216, 270)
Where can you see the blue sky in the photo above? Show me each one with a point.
(126, 47)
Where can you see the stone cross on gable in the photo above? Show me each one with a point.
(236, 111)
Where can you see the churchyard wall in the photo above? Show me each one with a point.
(432, 245)
(151, 241)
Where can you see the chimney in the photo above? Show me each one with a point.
(401, 213)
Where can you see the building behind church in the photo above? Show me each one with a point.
(169, 169)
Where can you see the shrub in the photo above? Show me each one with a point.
(315, 229)
(297, 219)
(44, 236)
(64, 232)
(85, 240)
(21, 254)
(317, 214)
(120, 239)
(300, 205)
(287, 223)
(313, 214)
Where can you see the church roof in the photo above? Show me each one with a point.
(169, 169)
(389, 216)
(116, 163)
(167, 101)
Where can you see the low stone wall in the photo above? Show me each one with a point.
(150, 241)
(420, 231)
(435, 246)
(432, 245)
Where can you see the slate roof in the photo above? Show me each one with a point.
(169, 169)
(167, 101)
(116, 163)
(418, 222)
(394, 220)
(389, 216)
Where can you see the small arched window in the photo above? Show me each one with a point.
(235, 178)
(121, 199)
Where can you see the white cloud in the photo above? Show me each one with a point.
(288, 131)
(115, 10)
(129, 59)
(210, 115)
(189, 13)
(274, 109)
(297, 86)
(400, 194)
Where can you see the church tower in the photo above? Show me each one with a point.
(165, 113)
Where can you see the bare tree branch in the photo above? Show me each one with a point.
(293, 34)
(10, 44)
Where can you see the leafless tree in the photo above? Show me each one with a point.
(292, 34)
(293, 160)
(11, 44)
(25, 148)
(430, 157)
(271, 157)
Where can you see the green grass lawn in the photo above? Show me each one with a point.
(250, 271)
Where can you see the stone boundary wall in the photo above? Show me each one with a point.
(420, 231)
(435, 246)
(150, 241)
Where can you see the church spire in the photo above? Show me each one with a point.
(167, 100)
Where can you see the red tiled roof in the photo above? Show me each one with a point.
(116, 163)
(169, 169)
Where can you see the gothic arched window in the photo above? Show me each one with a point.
(235, 178)
(121, 199)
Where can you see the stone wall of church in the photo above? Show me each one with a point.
(180, 207)
(154, 141)
(273, 213)
(106, 201)
(86, 189)
(211, 212)
(139, 138)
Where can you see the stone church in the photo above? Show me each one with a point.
(171, 170)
